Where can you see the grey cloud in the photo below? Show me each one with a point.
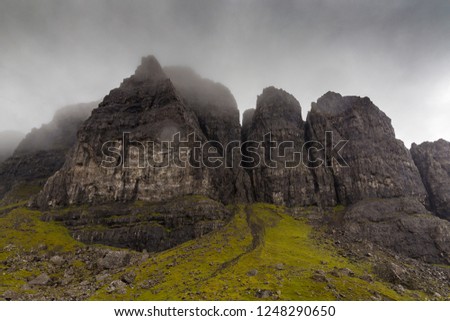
(56, 53)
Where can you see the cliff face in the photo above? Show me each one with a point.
(218, 116)
(377, 165)
(150, 109)
(280, 173)
(433, 162)
(344, 153)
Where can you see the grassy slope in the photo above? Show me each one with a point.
(260, 237)
(21, 230)
(284, 251)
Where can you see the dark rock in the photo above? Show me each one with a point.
(114, 260)
(57, 260)
(433, 162)
(402, 225)
(278, 114)
(266, 294)
(152, 226)
(102, 277)
(147, 106)
(10, 295)
(342, 272)
(117, 286)
(376, 165)
(319, 276)
(129, 277)
(391, 272)
(252, 272)
(218, 117)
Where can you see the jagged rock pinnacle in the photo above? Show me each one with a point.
(149, 69)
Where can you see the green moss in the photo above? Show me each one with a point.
(23, 229)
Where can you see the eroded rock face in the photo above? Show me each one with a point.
(150, 109)
(402, 225)
(433, 162)
(378, 165)
(275, 180)
(144, 226)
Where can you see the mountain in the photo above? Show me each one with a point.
(41, 153)
(344, 154)
(197, 206)
(8, 143)
(59, 133)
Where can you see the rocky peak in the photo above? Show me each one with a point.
(150, 109)
(278, 113)
(378, 165)
(212, 102)
(149, 70)
(278, 105)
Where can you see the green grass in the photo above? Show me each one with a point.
(286, 253)
(216, 266)
(22, 231)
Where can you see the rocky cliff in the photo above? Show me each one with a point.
(148, 108)
(433, 162)
(218, 116)
(376, 164)
(280, 172)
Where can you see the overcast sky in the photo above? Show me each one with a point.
(54, 53)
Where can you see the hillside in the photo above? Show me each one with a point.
(263, 252)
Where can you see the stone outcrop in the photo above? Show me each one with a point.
(218, 116)
(402, 225)
(141, 226)
(274, 179)
(433, 162)
(150, 109)
(377, 165)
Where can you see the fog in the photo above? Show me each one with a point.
(396, 52)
